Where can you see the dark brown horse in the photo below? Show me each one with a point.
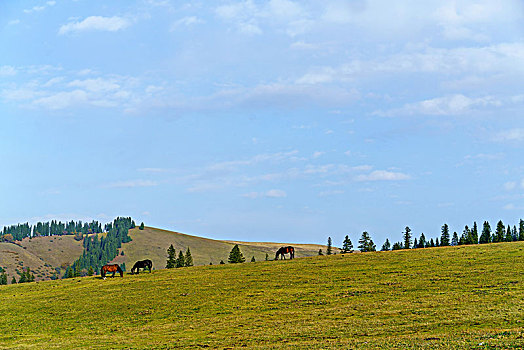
(142, 264)
(111, 268)
(285, 250)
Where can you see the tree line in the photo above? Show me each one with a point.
(469, 235)
(51, 228)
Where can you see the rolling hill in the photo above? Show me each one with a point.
(434, 298)
(152, 243)
(44, 254)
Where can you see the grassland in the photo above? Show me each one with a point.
(438, 298)
(152, 243)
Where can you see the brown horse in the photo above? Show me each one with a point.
(285, 250)
(111, 268)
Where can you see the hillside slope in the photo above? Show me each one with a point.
(152, 243)
(435, 298)
(41, 254)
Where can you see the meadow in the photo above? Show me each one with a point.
(434, 298)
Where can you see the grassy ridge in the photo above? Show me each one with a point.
(452, 297)
(152, 243)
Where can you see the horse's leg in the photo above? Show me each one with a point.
(113, 274)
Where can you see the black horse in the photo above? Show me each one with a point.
(142, 264)
(285, 250)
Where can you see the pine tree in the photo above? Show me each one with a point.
(253, 259)
(455, 239)
(267, 257)
(13, 280)
(485, 236)
(141, 227)
(396, 246)
(181, 260)
(415, 243)
(500, 232)
(407, 238)
(90, 272)
(422, 241)
(347, 245)
(509, 237)
(474, 234)
(386, 246)
(320, 252)
(329, 249)
(366, 243)
(222, 262)
(444, 238)
(188, 258)
(521, 230)
(171, 257)
(437, 244)
(235, 256)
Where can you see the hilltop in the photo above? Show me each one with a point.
(45, 254)
(433, 298)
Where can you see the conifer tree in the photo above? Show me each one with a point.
(141, 227)
(329, 249)
(514, 233)
(431, 243)
(320, 252)
(407, 238)
(444, 238)
(3, 278)
(253, 259)
(267, 257)
(366, 243)
(500, 232)
(422, 241)
(347, 245)
(171, 257)
(90, 271)
(455, 239)
(509, 237)
(415, 243)
(181, 260)
(188, 258)
(222, 262)
(386, 246)
(396, 246)
(437, 244)
(235, 256)
(474, 234)
(13, 280)
(521, 230)
(485, 236)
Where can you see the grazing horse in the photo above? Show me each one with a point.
(111, 268)
(142, 264)
(285, 250)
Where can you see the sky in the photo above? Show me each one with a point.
(275, 120)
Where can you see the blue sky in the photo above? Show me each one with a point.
(270, 120)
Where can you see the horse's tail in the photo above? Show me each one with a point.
(120, 270)
(276, 255)
(150, 265)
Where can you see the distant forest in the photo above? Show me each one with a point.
(50, 228)
(469, 235)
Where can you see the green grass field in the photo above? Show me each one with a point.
(438, 298)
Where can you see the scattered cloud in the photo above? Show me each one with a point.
(7, 71)
(186, 22)
(511, 135)
(383, 175)
(95, 23)
(41, 7)
(510, 185)
(131, 184)
(268, 194)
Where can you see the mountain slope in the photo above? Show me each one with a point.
(152, 243)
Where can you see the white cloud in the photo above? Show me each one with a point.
(41, 7)
(186, 22)
(95, 23)
(63, 100)
(511, 135)
(96, 85)
(7, 71)
(268, 194)
(383, 175)
(330, 193)
(13, 22)
(510, 185)
(318, 154)
(447, 105)
(131, 184)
